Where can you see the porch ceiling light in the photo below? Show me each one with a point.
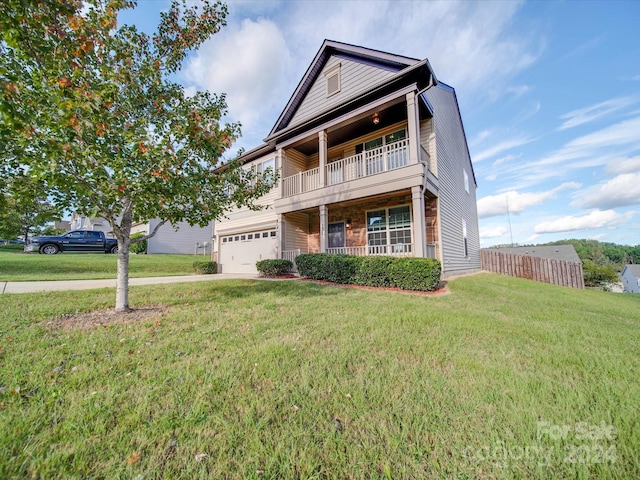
(348, 223)
(376, 118)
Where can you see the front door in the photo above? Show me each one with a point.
(336, 235)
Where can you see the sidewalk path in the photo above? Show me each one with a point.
(52, 286)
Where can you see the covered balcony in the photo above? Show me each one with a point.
(370, 162)
(377, 151)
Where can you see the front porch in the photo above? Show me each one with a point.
(393, 225)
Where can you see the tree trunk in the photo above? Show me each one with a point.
(123, 235)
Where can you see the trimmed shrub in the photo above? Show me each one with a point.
(407, 273)
(374, 271)
(415, 273)
(138, 247)
(337, 268)
(205, 268)
(274, 267)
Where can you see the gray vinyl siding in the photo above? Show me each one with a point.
(455, 204)
(427, 136)
(295, 162)
(168, 240)
(354, 77)
(297, 232)
(629, 280)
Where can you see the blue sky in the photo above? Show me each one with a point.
(549, 94)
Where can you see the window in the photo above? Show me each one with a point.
(268, 167)
(389, 227)
(250, 237)
(273, 233)
(466, 180)
(237, 238)
(224, 240)
(265, 234)
(384, 152)
(242, 237)
(333, 80)
(464, 238)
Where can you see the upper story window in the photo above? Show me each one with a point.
(267, 167)
(333, 80)
(466, 180)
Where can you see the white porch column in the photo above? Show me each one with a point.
(323, 228)
(281, 243)
(413, 127)
(322, 150)
(280, 165)
(419, 226)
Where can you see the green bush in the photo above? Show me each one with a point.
(406, 273)
(598, 275)
(138, 247)
(274, 267)
(415, 273)
(337, 268)
(374, 271)
(205, 268)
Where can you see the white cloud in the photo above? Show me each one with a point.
(500, 147)
(479, 33)
(248, 62)
(494, 205)
(519, 90)
(595, 149)
(493, 232)
(624, 165)
(593, 220)
(620, 191)
(594, 112)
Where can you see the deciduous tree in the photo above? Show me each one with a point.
(93, 109)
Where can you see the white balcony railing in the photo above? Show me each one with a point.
(301, 182)
(370, 162)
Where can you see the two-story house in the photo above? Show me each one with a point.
(373, 161)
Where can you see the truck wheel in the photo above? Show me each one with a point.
(114, 249)
(49, 249)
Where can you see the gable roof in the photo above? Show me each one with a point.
(377, 58)
(566, 253)
(634, 268)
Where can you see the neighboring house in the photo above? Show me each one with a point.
(187, 239)
(373, 161)
(565, 253)
(631, 278)
(82, 222)
(62, 225)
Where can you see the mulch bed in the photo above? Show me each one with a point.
(106, 318)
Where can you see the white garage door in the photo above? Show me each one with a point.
(239, 253)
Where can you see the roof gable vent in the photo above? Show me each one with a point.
(333, 80)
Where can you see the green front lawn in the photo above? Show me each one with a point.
(503, 378)
(18, 266)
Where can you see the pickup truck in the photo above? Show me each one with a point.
(74, 241)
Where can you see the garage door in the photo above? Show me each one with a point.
(238, 253)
